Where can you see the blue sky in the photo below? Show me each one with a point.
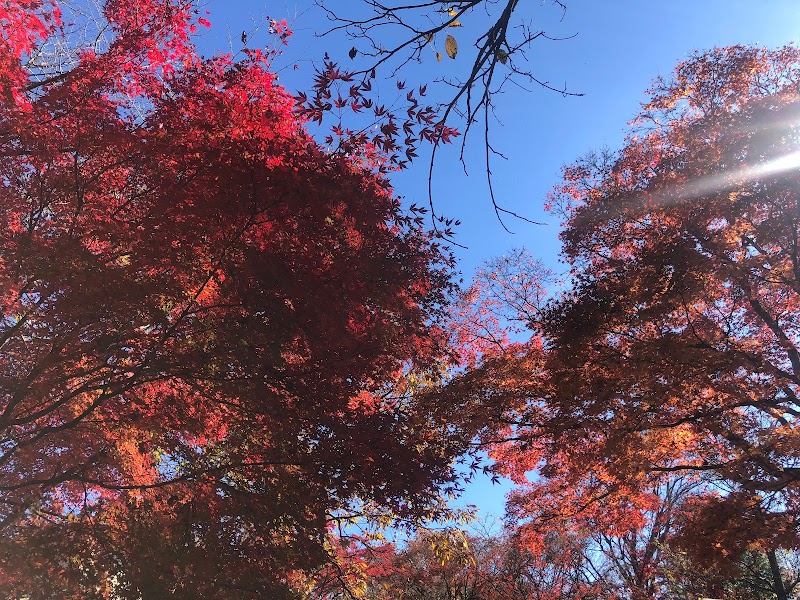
(617, 49)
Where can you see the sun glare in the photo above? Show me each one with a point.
(784, 163)
(727, 180)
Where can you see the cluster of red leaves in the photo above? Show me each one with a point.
(202, 317)
(389, 139)
(502, 302)
(716, 529)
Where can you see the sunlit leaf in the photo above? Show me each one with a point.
(451, 46)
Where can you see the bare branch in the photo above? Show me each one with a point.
(499, 58)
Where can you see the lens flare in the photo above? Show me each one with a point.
(729, 180)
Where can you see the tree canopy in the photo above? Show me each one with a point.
(224, 341)
(674, 350)
(205, 320)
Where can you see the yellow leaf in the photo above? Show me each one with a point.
(438, 56)
(452, 12)
(454, 24)
(451, 46)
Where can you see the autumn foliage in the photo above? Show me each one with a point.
(224, 343)
(682, 327)
(647, 411)
(204, 317)
(674, 351)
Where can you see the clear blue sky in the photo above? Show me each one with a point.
(619, 47)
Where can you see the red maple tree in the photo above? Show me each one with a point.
(681, 332)
(676, 349)
(204, 320)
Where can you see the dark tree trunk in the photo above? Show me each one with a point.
(777, 580)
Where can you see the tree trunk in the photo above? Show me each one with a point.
(777, 580)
